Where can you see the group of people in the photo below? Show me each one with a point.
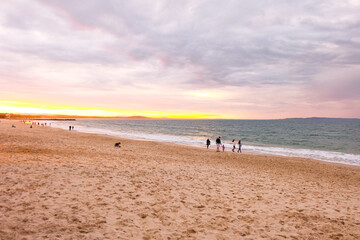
(71, 128)
(37, 123)
(219, 144)
(34, 123)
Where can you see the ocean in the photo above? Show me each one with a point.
(325, 139)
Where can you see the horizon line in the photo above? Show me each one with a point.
(61, 116)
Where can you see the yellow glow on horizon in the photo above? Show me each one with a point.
(32, 108)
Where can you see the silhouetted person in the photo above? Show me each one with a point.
(218, 144)
(69, 128)
(239, 146)
(208, 143)
(72, 127)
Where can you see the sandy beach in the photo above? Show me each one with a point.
(58, 184)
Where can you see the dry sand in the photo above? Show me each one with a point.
(57, 184)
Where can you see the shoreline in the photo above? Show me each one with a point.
(213, 147)
(68, 184)
(284, 151)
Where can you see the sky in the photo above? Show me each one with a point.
(263, 59)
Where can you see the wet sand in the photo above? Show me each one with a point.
(58, 184)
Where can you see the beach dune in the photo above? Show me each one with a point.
(57, 184)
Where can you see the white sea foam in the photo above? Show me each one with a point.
(329, 156)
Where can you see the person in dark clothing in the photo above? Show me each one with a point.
(69, 128)
(208, 143)
(218, 144)
(239, 146)
(117, 145)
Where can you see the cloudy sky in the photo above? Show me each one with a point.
(217, 58)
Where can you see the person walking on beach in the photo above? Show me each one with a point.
(69, 128)
(223, 147)
(218, 144)
(234, 145)
(239, 146)
(207, 143)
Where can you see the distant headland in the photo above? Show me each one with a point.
(59, 117)
(318, 118)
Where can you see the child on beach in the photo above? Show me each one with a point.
(223, 146)
(234, 145)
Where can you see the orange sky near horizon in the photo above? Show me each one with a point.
(27, 108)
(176, 59)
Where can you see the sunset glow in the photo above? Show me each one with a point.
(258, 60)
(26, 108)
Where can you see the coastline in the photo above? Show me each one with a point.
(61, 184)
(321, 153)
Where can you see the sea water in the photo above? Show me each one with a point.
(332, 140)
